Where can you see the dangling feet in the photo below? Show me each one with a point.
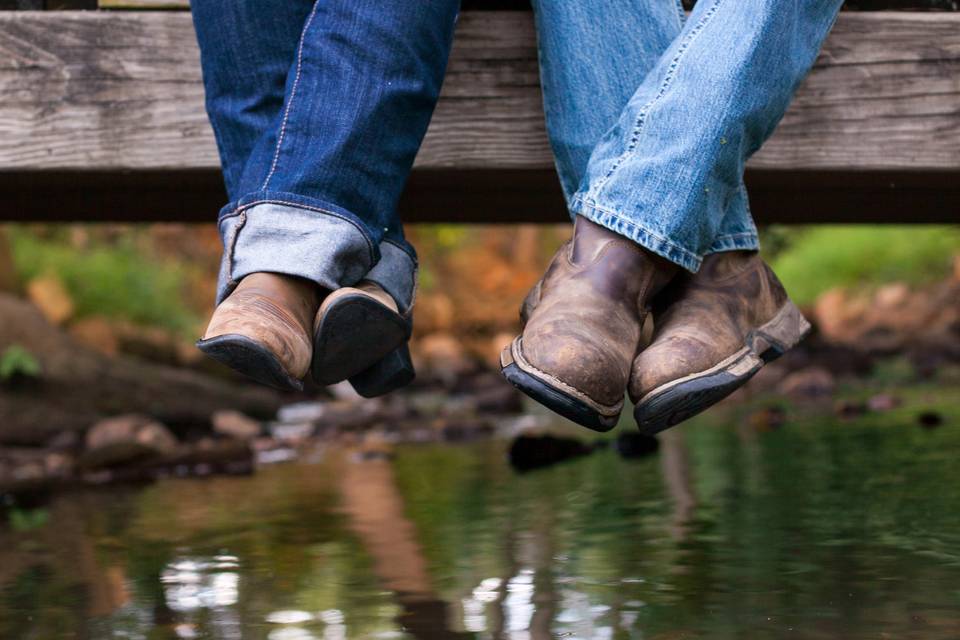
(262, 329)
(714, 330)
(582, 325)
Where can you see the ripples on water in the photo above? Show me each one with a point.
(832, 531)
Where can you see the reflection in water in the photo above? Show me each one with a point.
(198, 583)
(820, 532)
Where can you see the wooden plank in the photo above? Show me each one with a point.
(144, 4)
(884, 95)
(69, 102)
(119, 94)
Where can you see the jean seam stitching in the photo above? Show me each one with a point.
(250, 205)
(616, 214)
(293, 95)
(664, 86)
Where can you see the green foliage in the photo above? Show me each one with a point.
(28, 519)
(812, 260)
(17, 362)
(116, 279)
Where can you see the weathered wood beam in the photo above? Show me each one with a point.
(119, 96)
(144, 4)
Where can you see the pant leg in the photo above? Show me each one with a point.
(669, 172)
(593, 56)
(246, 50)
(319, 190)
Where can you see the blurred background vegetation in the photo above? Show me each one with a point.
(165, 275)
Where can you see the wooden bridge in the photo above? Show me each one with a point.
(101, 118)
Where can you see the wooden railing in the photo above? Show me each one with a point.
(89, 132)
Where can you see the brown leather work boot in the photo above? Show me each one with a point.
(714, 330)
(582, 325)
(262, 329)
(356, 328)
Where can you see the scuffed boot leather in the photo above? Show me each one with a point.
(355, 329)
(582, 325)
(713, 331)
(262, 329)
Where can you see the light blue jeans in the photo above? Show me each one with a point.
(652, 114)
(319, 107)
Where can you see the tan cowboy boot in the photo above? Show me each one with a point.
(582, 325)
(356, 328)
(717, 328)
(262, 329)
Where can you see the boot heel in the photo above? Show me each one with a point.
(393, 371)
(783, 332)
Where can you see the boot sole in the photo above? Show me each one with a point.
(353, 335)
(392, 372)
(250, 358)
(681, 399)
(554, 394)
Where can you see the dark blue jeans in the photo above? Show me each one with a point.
(319, 109)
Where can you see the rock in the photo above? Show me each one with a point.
(636, 445)
(208, 457)
(236, 425)
(203, 458)
(58, 465)
(443, 356)
(153, 344)
(97, 333)
(292, 433)
(435, 312)
(64, 441)
(48, 294)
(301, 412)
(275, 455)
(883, 402)
(838, 315)
(811, 382)
(464, 429)
(126, 439)
(892, 296)
(534, 452)
(81, 386)
(930, 419)
(345, 415)
(501, 399)
(345, 391)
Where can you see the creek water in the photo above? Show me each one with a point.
(832, 530)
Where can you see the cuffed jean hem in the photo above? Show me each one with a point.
(283, 233)
(647, 238)
(735, 242)
(396, 273)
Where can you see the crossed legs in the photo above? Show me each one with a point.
(652, 116)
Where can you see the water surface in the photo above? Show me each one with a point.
(825, 530)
